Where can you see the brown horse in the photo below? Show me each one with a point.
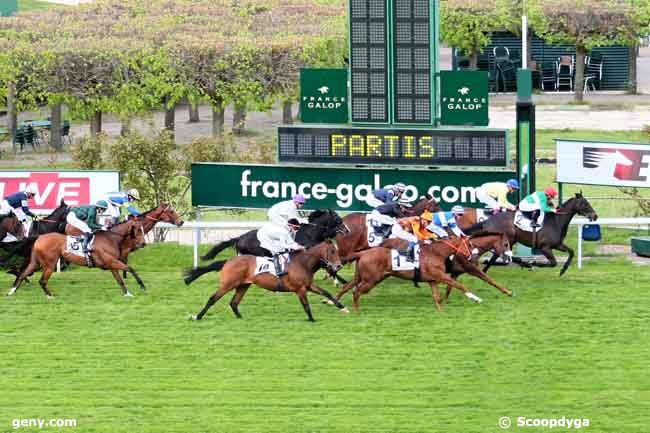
(238, 273)
(161, 213)
(106, 253)
(11, 225)
(375, 265)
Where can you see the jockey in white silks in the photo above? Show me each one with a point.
(278, 240)
(280, 213)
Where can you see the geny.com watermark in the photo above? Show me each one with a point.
(564, 422)
(43, 423)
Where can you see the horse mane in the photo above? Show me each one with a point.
(484, 233)
(63, 207)
(317, 214)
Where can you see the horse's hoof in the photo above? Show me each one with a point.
(326, 301)
(345, 310)
(128, 295)
(144, 289)
(11, 292)
(50, 296)
(193, 317)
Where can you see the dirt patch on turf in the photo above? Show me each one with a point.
(623, 250)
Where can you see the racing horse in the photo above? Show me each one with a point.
(106, 253)
(238, 273)
(321, 225)
(550, 237)
(11, 225)
(54, 222)
(375, 265)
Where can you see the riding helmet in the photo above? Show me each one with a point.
(512, 183)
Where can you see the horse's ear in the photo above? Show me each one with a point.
(62, 203)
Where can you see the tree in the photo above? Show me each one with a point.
(586, 24)
(467, 25)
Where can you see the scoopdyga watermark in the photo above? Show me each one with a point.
(551, 423)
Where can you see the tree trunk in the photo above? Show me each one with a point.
(580, 74)
(239, 119)
(287, 115)
(632, 80)
(473, 62)
(194, 113)
(126, 127)
(56, 141)
(529, 49)
(96, 123)
(170, 118)
(218, 120)
(12, 114)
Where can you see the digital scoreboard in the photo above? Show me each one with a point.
(432, 147)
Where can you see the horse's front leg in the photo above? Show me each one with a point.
(569, 251)
(474, 270)
(548, 253)
(302, 295)
(331, 299)
(120, 282)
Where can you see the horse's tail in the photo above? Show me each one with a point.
(193, 274)
(218, 248)
(474, 228)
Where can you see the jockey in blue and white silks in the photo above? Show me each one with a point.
(17, 204)
(443, 220)
(385, 202)
(119, 200)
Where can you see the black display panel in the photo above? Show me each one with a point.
(394, 146)
(369, 61)
(412, 61)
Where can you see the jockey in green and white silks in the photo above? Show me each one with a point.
(537, 203)
(84, 218)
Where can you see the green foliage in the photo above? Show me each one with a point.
(88, 154)
(467, 25)
(151, 165)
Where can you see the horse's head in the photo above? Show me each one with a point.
(486, 241)
(581, 206)
(329, 255)
(329, 221)
(136, 235)
(167, 214)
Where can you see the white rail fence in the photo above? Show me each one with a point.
(232, 229)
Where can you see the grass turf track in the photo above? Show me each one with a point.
(575, 347)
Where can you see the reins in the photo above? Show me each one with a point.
(464, 242)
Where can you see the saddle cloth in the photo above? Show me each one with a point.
(10, 238)
(265, 265)
(482, 215)
(523, 223)
(374, 239)
(399, 261)
(73, 245)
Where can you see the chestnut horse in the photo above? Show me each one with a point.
(106, 253)
(375, 265)
(238, 273)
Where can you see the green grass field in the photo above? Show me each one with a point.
(576, 347)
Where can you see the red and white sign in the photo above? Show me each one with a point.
(615, 164)
(74, 187)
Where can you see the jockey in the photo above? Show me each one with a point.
(442, 220)
(280, 213)
(385, 202)
(413, 229)
(122, 200)
(537, 203)
(278, 240)
(84, 218)
(17, 204)
(495, 195)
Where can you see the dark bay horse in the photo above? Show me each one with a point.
(375, 265)
(321, 225)
(48, 248)
(549, 238)
(54, 222)
(238, 273)
(11, 225)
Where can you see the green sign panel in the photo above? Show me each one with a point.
(324, 95)
(261, 186)
(8, 7)
(464, 98)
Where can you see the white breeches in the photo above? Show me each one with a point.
(381, 219)
(373, 202)
(484, 198)
(525, 206)
(77, 223)
(273, 238)
(399, 232)
(114, 210)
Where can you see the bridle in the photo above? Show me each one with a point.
(165, 209)
(326, 260)
(464, 247)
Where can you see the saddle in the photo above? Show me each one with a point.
(522, 222)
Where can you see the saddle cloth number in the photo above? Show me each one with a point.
(374, 240)
(399, 262)
(73, 245)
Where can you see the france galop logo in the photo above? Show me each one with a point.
(324, 90)
(464, 90)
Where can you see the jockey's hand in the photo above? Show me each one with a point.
(35, 218)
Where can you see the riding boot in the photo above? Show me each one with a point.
(87, 238)
(278, 268)
(410, 252)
